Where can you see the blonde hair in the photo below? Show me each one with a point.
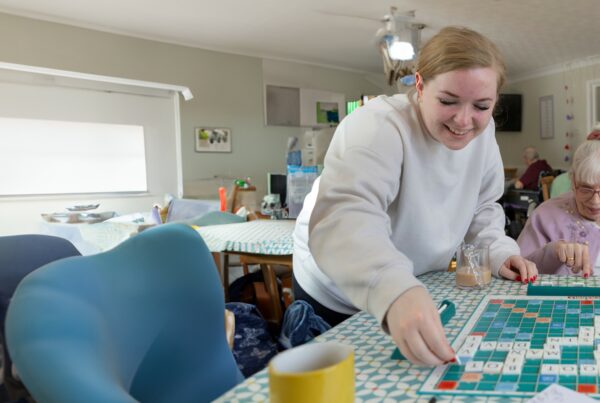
(586, 163)
(457, 48)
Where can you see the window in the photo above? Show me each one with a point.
(593, 103)
(72, 133)
(57, 157)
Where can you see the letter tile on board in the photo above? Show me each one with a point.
(474, 366)
(492, 367)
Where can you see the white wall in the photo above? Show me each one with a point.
(572, 82)
(228, 92)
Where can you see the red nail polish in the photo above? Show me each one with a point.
(532, 279)
(585, 275)
(518, 278)
(526, 280)
(453, 359)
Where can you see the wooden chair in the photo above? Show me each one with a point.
(243, 197)
(545, 183)
(510, 173)
(267, 265)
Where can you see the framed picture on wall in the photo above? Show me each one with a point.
(212, 139)
(547, 117)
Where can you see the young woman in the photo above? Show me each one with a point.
(563, 234)
(406, 180)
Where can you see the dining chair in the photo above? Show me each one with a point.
(19, 256)
(141, 322)
(545, 184)
(268, 264)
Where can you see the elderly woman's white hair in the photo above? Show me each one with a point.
(586, 163)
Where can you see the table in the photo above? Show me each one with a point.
(263, 242)
(378, 378)
(262, 237)
(90, 239)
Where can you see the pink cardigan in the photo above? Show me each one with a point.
(554, 220)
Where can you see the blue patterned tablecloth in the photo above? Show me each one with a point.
(267, 237)
(378, 377)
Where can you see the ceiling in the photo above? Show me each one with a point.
(532, 34)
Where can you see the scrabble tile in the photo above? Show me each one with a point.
(474, 366)
(466, 352)
(570, 341)
(534, 354)
(488, 346)
(492, 367)
(568, 369)
(549, 369)
(554, 340)
(511, 369)
(504, 346)
(588, 370)
(551, 355)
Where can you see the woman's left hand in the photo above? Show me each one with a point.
(519, 269)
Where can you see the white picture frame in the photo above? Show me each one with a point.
(212, 139)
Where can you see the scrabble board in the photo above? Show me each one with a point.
(565, 285)
(519, 345)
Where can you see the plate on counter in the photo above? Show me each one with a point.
(78, 218)
(83, 207)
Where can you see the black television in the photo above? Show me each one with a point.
(508, 113)
(277, 183)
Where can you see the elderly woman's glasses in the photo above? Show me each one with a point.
(586, 193)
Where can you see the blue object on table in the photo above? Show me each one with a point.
(144, 321)
(447, 310)
(563, 290)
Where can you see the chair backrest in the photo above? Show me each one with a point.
(19, 256)
(546, 183)
(184, 209)
(141, 322)
(560, 185)
(215, 218)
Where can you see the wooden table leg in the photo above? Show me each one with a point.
(226, 275)
(271, 284)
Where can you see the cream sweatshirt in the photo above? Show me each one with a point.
(393, 203)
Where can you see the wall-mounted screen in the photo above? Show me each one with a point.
(508, 113)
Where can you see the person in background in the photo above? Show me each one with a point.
(562, 236)
(562, 183)
(530, 178)
(406, 179)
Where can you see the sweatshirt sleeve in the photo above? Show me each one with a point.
(487, 226)
(537, 245)
(361, 179)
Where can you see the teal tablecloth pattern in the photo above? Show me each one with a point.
(378, 377)
(266, 237)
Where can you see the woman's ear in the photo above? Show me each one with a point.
(419, 84)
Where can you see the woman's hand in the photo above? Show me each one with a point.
(574, 255)
(519, 269)
(417, 330)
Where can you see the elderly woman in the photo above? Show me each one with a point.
(562, 235)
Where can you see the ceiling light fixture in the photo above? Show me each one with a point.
(399, 42)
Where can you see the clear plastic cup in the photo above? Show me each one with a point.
(473, 267)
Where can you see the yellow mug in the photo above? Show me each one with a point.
(314, 372)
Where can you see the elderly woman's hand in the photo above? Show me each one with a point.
(574, 255)
(519, 269)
